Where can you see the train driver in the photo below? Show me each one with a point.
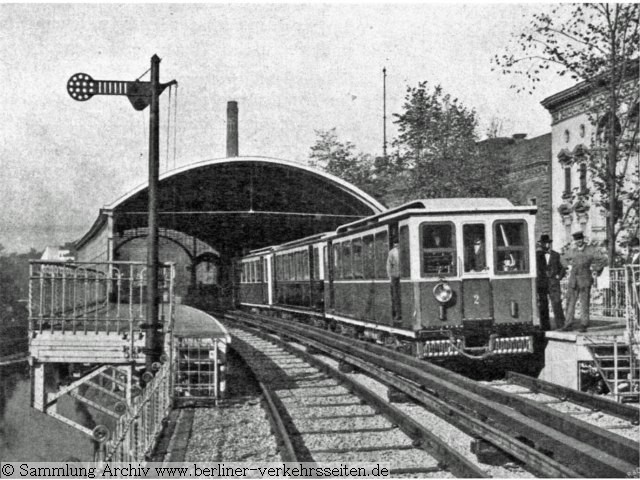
(476, 256)
(438, 258)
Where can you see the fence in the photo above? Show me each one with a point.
(617, 300)
(99, 297)
(137, 431)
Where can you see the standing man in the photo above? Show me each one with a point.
(476, 259)
(550, 272)
(582, 258)
(634, 252)
(633, 274)
(393, 272)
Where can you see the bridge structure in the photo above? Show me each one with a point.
(87, 317)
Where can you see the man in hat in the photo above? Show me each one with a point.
(634, 252)
(550, 272)
(583, 259)
(393, 272)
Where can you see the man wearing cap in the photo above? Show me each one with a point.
(393, 272)
(583, 259)
(550, 272)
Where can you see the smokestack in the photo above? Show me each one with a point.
(232, 129)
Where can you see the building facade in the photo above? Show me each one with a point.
(575, 132)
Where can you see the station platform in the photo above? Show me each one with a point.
(191, 322)
(571, 357)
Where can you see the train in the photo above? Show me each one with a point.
(466, 285)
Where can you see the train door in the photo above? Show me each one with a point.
(477, 296)
(329, 272)
(266, 285)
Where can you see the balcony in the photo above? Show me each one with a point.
(93, 312)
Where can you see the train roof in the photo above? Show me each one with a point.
(439, 206)
(292, 244)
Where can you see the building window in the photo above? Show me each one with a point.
(582, 130)
(567, 136)
(583, 178)
(533, 201)
(567, 182)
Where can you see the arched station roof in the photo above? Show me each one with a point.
(243, 203)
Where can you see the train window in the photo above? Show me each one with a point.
(381, 253)
(287, 267)
(357, 257)
(258, 271)
(295, 268)
(510, 247)
(475, 252)
(316, 263)
(337, 260)
(368, 257)
(325, 258)
(305, 264)
(346, 260)
(405, 265)
(298, 263)
(438, 249)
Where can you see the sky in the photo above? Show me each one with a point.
(293, 68)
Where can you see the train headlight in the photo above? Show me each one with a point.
(442, 292)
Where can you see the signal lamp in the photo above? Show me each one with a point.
(442, 292)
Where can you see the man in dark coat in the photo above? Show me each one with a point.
(476, 259)
(634, 252)
(550, 272)
(633, 275)
(583, 259)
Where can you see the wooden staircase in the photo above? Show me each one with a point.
(619, 367)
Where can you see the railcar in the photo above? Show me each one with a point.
(467, 278)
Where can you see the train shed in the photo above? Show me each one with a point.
(213, 210)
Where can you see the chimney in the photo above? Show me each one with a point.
(232, 129)
(519, 136)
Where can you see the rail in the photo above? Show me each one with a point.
(587, 449)
(99, 297)
(616, 299)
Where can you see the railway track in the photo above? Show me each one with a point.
(319, 415)
(546, 441)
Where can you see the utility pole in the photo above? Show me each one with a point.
(153, 345)
(82, 87)
(384, 112)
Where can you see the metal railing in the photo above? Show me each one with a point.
(99, 297)
(619, 300)
(136, 432)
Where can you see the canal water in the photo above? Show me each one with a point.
(29, 435)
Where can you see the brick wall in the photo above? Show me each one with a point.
(529, 172)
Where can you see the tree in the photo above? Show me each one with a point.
(341, 160)
(437, 147)
(598, 45)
